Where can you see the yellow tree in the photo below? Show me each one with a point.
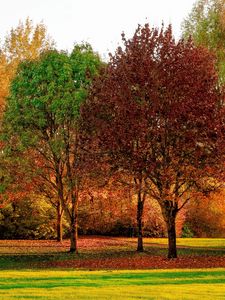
(4, 80)
(26, 41)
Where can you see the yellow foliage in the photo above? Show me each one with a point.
(25, 42)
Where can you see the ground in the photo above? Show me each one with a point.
(112, 253)
(110, 268)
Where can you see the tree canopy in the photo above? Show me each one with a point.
(43, 113)
(156, 113)
(139, 134)
(206, 25)
(25, 42)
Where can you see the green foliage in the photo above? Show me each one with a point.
(206, 25)
(43, 112)
(47, 93)
(38, 90)
(27, 219)
(186, 231)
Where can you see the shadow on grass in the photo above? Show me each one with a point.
(38, 260)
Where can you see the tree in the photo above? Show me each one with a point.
(26, 41)
(156, 114)
(206, 25)
(43, 112)
(27, 219)
(205, 215)
(4, 81)
(37, 171)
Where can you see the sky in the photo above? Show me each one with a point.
(98, 22)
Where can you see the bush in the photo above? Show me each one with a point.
(27, 219)
(186, 231)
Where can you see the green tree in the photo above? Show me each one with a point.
(43, 110)
(206, 25)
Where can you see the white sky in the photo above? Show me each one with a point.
(99, 22)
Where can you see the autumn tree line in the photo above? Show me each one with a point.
(133, 146)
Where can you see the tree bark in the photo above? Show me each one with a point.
(140, 207)
(74, 226)
(59, 228)
(169, 211)
(60, 201)
(171, 230)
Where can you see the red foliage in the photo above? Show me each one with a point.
(17, 184)
(157, 112)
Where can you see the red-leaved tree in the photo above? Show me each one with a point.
(156, 112)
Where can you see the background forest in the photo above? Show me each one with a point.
(48, 183)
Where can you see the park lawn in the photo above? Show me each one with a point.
(190, 242)
(104, 244)
(123, 284)
(101, 253)
(110, 268)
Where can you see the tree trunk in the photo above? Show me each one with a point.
(74, 226)
(140, 206)
(60, 202)
(59, 228)
(169, 211)
(171, 230)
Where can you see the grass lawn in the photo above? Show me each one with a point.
(110, 268)
(191, 242)
(150, 284)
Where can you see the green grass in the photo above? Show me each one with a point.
(23, 275)
(186, 246)
(154, 284)
(190, 242)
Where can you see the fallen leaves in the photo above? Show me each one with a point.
(109, 253)
(141, 262)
